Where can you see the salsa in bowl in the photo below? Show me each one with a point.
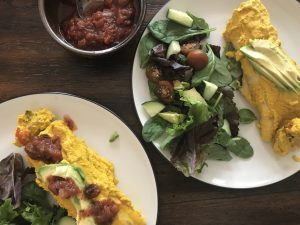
(103, 30)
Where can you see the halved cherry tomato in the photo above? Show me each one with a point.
(154, 74)
(165, 91)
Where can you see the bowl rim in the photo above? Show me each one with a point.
(68, 46)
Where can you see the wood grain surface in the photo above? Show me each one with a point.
(31, 62)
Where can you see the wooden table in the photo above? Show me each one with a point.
(31, 62)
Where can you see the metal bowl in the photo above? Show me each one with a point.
(50, 13)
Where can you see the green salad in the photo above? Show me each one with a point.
(192, 113)
(22, 201)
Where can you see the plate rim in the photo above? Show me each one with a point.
(144, 32)
(109, 111)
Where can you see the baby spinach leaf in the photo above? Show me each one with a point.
(205, 73)
(154, 128)
(222, 138)
(145, 46)
(152, 89)
(217, 152)
(215, 71)
(246, 116)
(168, 31)
(233, 66)
(200, 23)
(240, 147)
(221, 75)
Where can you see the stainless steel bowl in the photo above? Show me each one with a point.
(50, 15)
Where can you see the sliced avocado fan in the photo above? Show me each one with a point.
(269, 60)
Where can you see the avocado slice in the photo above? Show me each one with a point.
(180, 85)
(66, 170)
(192, 96)
(80, 204)
(63, 170)
(172, 117)
(263, 64)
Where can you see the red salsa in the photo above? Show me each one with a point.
(103, 211)
(64, 188)
(102, 28)
(44, 148)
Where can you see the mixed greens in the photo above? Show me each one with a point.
(192, 112)
(21, 200)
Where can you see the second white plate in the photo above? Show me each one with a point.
(265, 167)
(95, 126)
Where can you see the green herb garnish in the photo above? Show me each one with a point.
(114, 137)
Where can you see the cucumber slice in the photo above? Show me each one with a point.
(152, 108)
(207, 89)
(180, 17)
(226, 127)
(173, 49)
(66, 220)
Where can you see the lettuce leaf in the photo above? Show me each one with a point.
(35, 214)
(175, 131)
(11, 172)
(7, 212)
(189, 154)
(230, 110)
(198, 112)
(154, 128)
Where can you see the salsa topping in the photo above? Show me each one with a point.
(44, 148)
(103, 211)
(63, 187)
(70, 123)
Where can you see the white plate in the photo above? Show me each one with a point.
(95, 125)
(265, 167)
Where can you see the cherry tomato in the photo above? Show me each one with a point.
(165, 91)
(22, 136)
(197, 59)
(154, 74)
